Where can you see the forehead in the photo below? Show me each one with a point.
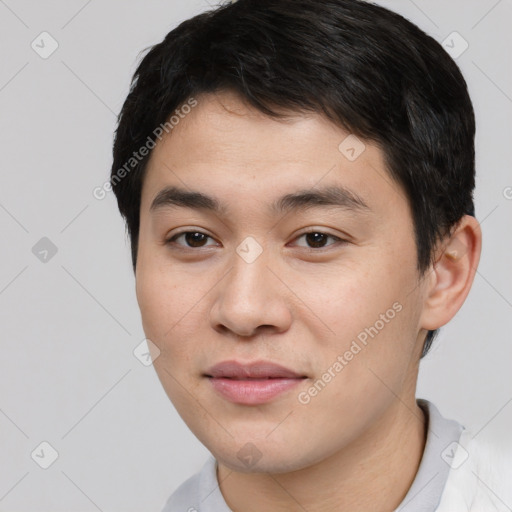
(229, 150)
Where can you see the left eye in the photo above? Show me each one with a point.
(317, 239)
(197, 239)
(194, 238)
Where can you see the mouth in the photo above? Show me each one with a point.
(254, 383)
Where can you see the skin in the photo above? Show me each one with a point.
(358, 443)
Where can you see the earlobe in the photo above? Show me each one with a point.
(453, 274)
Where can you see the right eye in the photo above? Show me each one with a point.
(194, 239)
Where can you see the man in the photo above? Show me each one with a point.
(297, 180)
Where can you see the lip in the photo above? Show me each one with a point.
(252, 383)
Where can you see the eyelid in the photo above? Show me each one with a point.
(170, 239)
(338, 240)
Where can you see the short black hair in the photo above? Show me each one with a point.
(368, 69)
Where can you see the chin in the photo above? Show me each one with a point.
(273, 465)
(261, 457)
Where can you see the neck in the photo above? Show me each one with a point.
(372, 473)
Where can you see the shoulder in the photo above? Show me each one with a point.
(480, 477)
(186, 497)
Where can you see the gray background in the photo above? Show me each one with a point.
(68, 375)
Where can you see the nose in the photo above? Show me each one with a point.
(250, 299)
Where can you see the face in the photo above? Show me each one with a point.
(308, 262)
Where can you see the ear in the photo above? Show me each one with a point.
(452, 275)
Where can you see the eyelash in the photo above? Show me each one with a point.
(171, 240)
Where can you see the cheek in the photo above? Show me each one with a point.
(348, 300)
(162, 301)
(370, 318)
(154, 299)
(164, 305)
(172, 305)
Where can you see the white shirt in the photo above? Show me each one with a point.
(455, 475)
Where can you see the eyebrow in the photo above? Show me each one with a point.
(330, 196)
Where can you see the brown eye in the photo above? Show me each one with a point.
(193, 239)
(317, 239)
